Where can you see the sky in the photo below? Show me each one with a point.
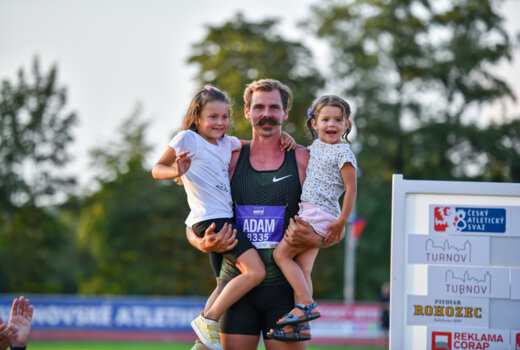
(112, 55)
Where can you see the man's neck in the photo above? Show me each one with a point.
(265, 153)
(265, 145)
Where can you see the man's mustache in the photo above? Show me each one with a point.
(268, 120)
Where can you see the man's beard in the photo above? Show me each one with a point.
(268, 120)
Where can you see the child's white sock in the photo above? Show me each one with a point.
(208, 320)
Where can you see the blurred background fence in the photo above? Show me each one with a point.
(130, 318)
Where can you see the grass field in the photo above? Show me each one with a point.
(55, 345)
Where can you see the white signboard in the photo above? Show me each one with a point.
(451, 338)
(449, 281)
(425, 310)
(448, 250)
(455, 265)
(515, 283)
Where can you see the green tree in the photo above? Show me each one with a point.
(232, 55)
(37, 251)
(34, 134)
(418, 73)
(131, 230)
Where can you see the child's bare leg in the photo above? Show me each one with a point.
(284, 255)
(306, 261)
(253, 272)
(211, 299)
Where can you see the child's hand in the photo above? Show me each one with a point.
(287, 142)
(336, 232)
(183, 162)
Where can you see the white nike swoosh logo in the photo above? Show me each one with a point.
(280, 179)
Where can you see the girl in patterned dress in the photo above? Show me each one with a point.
(331, 171)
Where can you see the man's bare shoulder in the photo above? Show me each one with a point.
(302, 155)
(233, 162)
(300, 148)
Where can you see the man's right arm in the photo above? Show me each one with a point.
(213, 242)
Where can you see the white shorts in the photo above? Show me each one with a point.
(318, 218)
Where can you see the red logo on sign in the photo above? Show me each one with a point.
(444, 217)
(441, 341)
(517, 346)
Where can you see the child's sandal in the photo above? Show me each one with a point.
(294, 335)
(308, 315)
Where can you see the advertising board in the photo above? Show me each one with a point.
(455, 265)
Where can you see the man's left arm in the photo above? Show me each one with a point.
(300, 233)
(302, 160)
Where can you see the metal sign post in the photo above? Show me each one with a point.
(350, 265)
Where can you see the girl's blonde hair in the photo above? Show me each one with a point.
(328, 100)
(201, 98)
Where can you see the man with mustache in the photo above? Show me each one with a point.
(266, 186)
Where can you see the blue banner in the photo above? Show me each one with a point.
(460, 219)
(125, 313)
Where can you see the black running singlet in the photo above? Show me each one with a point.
(279, 189)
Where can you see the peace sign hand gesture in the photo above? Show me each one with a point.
(183, 162)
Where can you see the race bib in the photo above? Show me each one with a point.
(263, 225)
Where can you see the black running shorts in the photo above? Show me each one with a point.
(258, 310)
(215, 259)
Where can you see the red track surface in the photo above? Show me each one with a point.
(161, 336)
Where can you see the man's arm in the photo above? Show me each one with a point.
(302, 160)
(233, 163)
(301, 234)
(21, 317)
(213, 242)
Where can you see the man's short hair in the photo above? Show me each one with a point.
(269, 85)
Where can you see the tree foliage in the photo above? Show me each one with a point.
(36, 248)
(34, 134)
(232, 55)
(37, 253)
(418, 72)
(132, 229)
